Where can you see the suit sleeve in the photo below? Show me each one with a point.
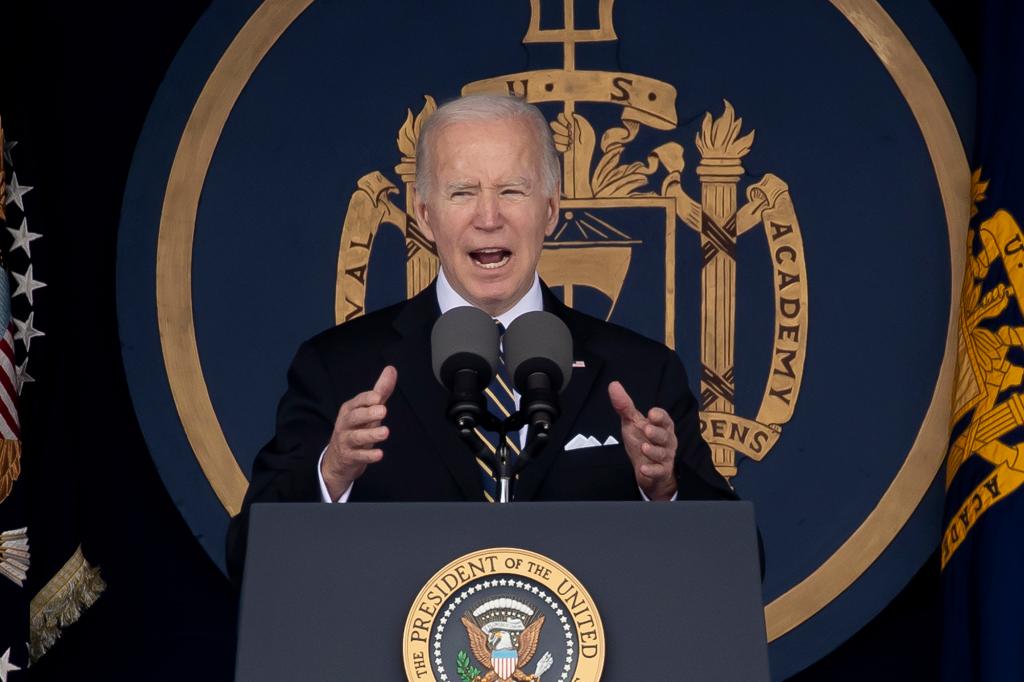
(285, 470)
(696, 476)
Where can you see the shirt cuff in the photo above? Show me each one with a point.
(326, 496)
(642, 493)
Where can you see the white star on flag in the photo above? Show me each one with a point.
(26, 332)
(22, 238)
(22, 376)
(6, 666)
(8, 146)
(15, 192)
(26, 284)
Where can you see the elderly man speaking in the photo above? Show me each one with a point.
(363, 418)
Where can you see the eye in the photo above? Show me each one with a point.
(513, 193)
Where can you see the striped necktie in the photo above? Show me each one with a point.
(501, 403)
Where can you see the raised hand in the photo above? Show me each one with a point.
(357, 434)
(650, 441)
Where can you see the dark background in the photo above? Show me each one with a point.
(78, 79)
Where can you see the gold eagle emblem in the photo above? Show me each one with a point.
(503, 658)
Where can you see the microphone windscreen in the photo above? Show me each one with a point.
(538, 342)
(464, 338)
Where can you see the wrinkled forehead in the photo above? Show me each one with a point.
(500, 149)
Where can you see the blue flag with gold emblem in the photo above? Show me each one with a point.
(983, 542)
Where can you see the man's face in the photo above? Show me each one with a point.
(487, 211)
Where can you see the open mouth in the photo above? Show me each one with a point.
(490, 259)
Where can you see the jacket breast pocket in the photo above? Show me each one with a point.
(602, 456)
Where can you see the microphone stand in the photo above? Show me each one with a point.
(504, 466)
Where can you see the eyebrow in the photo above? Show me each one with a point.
(460, 185)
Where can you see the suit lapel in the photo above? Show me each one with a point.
(581, 384)
(424, 395)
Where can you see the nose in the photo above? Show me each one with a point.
(488, 210)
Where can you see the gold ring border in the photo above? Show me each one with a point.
(181, 353)
(540, 558)
(922, 463)
(177, 233)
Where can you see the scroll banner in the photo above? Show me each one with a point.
(997, 486)
(755, 437)
(646, 100)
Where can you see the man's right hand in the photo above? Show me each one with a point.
(357, 432)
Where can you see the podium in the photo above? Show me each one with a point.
(333, 592)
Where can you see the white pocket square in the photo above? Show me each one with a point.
(580, 441)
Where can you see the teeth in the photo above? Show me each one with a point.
(480, 255)
(492, 266)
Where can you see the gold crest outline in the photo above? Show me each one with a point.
(202, 427)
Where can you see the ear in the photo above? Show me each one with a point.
(422, 214)
(553, 204)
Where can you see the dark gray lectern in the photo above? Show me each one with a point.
(327, 588)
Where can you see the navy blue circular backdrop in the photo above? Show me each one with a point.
(323, 108)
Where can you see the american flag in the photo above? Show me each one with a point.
(14, 556)
(14, 548)
(10, 429)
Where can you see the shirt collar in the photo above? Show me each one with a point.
(448, 298)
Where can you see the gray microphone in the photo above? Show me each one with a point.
(538, 354)
(464, 354)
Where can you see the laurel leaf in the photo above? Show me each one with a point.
(463, 666)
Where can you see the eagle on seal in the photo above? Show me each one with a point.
(504, 661)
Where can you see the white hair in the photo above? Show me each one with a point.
(486, 108)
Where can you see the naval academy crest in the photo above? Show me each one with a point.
(268, 200)
(620, 199)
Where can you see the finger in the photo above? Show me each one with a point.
(362, 438)
(655, 471)
(657, 435)
(660, 417)
(364, 399)
(386, 382)
(656, 454)
(361, 457)
(361, 417)
(623, 404)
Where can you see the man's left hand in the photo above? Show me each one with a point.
(650, 441)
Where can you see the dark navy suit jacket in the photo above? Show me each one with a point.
(424, 458)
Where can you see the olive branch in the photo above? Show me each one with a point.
(465, 668)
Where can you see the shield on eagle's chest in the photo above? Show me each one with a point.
(504, 662)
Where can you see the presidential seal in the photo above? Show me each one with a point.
(503, 614)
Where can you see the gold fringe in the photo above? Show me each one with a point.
(10, 462)
(61, 602)
(15, 557)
